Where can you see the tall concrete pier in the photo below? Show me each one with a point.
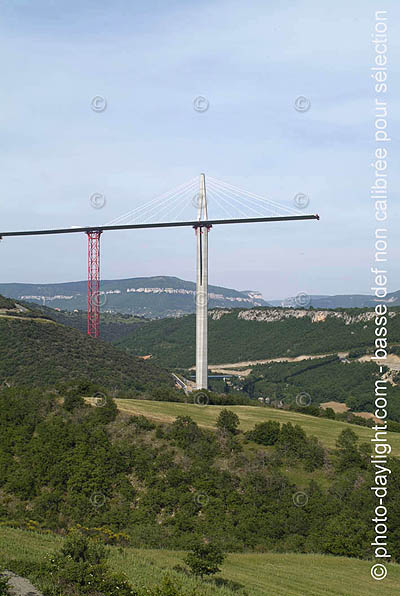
(202, 290)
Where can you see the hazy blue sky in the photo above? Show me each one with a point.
(150, 59)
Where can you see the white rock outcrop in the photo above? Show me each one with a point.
(271, 315)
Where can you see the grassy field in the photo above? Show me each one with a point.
(261, 574)
(326, 430)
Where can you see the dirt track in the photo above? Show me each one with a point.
(242, 368)
(231, 368)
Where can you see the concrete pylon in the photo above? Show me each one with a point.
(202, 290)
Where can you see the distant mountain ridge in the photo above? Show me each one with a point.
(338, 301)
(160, 296)
(167, 296)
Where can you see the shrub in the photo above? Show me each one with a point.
(72, 401)
(294, 443)
(4, 586)
(79, 548)
(106, 410)
(292, 440)
(168, 588)
(205, 559)
(314, 456)
(265, 433)
(165, 393)
(347, 450)
(393, 427)
(185, 432)
(104, 534)
(328, 413)
(80, 568)
(141, 423)
(228, 421)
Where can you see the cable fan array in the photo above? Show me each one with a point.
(224, 201)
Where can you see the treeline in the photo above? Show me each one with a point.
(63, 464)
(113, 326)
(348, 417)
(7, 303)
(200, 397)
(324, 380)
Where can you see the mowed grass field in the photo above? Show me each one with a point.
(326, 430)
(260, 574)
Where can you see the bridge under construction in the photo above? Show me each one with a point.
(225, 197)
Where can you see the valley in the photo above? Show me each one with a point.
(98, 442)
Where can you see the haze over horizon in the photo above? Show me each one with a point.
(150, 62)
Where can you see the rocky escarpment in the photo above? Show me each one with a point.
(271, 315)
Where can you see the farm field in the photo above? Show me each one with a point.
(261, 574)
(326, 430)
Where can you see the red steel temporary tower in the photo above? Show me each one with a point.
(93, 281)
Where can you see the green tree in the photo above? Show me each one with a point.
(228, 421)
(185, 431)
(314, 456)
(205, 559)
(292, 440)
(105, 409)
(265, 433)
(80, 568)
(72, 401)
(329, 413)
(79, 548)
(348, 454)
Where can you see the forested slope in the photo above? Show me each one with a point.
(38, 351)
(164, 485)
(238, 335)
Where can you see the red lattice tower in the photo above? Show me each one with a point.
(93, 282)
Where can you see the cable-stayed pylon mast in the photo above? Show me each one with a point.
(202, 288)
(223, 195)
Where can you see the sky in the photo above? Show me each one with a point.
(149, 61)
